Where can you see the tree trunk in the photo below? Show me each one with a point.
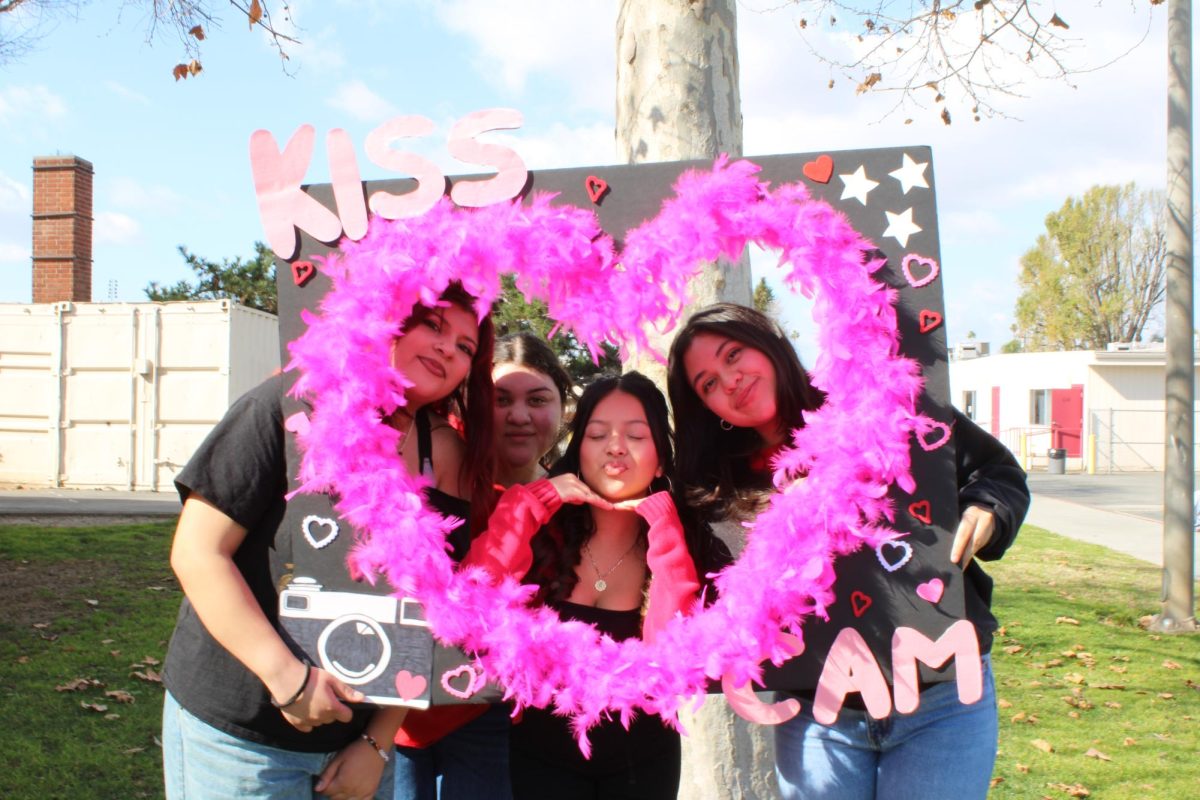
(678, 99)
(1179, 607)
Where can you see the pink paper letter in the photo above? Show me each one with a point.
(850, 667)
(281, 203)
(511, 173)
(958, 642)
(431, 183)
(745, 702)
(347, 184)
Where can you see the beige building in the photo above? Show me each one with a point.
(1104, 408)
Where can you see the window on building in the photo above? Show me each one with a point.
(1039, 407)
(968, 404)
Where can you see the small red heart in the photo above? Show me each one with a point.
(302, 272)
(820, 170)
(596, 187)
(921, 510)
(860, 603)
(929, 320)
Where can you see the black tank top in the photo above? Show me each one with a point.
(446, 504)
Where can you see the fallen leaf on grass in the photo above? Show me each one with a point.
(112, 716)
(78, 685)
(41, 625)
(1118, 670)
(120, 695)
(133, 750)
(150, 661)
(1013, 649)
(996, 781)
(1002, 703)
(1066, 621)
(114, 653)
(1023, 769)
(1073, 714)
(107, 641)
(23, 659)
(1111, 704)
(1169, 664)
(1018, 717)
(1129, 741)
(1043, 745)
(1074, 677)
(156, 588)
(1166, 695)
(1054, 662)
(92, 603)
(1094, 753)
(1074, 790)
(149, 675)
(97, 707)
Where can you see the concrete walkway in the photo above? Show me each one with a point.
(1122, 512)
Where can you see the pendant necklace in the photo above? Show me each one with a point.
(600, 583)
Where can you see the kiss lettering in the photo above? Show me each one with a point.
(285, 207)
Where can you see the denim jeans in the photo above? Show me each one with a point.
(201, 762)
(944, 749)
(469, 764)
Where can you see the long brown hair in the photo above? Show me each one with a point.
(527, 349)
(471, 402)
(713, 463)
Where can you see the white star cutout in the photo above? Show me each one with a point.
(911, 174)
(901, 226)
(858, 185)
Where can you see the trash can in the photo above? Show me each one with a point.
(1058, 461)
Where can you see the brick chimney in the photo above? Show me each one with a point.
(62, 229)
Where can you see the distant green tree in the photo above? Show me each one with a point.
(512, 313)
(764, 298)
(1097, 274)
(249, 282)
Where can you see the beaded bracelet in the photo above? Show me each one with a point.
(369, 739)
(300, 691)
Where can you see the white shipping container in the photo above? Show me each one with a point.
(119, 395)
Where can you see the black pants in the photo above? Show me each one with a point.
(653, 777)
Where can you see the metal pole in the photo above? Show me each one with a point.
(1178, 612)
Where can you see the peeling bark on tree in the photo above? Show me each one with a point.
(678, 99)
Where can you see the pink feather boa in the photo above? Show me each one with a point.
(852, 449)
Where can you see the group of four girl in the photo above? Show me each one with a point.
(598, 532)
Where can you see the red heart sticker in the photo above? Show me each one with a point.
(302, 272)
(929, 320)
(921, 510)
(860, 603)
(820, 170)
(596, 187)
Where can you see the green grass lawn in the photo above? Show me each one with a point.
(1091, 704)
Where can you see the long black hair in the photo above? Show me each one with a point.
(557, 549)
(713, 464)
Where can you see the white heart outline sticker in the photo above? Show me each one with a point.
(313, 519)
(892, 566)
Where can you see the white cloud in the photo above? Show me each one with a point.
(360, 102)
(125, 93)
(560, 145)
(572, 42)
(33, 102)
(134, 195)
(15, 253)
(111, 227)
(14, 196)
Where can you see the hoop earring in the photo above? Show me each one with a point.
(726, 425)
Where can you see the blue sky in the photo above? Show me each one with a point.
(171, 159)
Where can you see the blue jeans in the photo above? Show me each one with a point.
(944, 749)
(201, 762)
(469, 764)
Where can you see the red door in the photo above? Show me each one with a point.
(1066, 419)
(996, 411)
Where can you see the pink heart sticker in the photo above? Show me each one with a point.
(297, 423)
(934, 436)
(474, 682)
(906, 266)
(409, 686)
(931, 590)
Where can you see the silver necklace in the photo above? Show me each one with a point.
(600, 583)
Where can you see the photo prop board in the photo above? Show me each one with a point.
(902, 601)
